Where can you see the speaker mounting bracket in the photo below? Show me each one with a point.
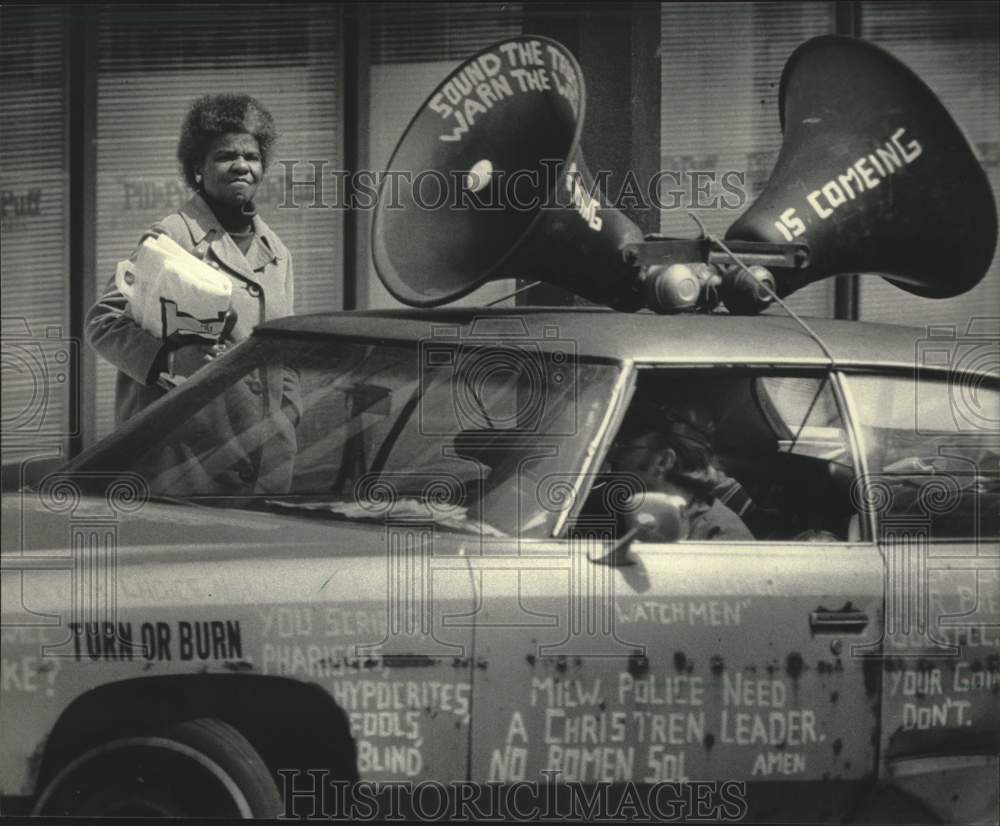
(659, 250)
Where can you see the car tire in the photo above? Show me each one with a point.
(200, 768)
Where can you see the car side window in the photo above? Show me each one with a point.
(933, 453)
(749, 456)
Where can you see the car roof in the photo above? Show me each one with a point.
(643, 336)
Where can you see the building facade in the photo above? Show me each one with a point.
(92, 98)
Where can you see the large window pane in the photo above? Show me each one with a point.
(34, 221)
(719, 108)
(954, 49)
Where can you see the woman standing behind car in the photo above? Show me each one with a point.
(225, 145)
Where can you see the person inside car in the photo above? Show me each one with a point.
(666, 451)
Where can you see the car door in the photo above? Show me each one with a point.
(697, 660)
(931, 447)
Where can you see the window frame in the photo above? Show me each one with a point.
(620, 404)
(844, 376)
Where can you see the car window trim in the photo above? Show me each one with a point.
(847, 414)
(914, 375)
(597, 448)
(849, 410)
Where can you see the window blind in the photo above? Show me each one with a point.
(954, 48)
(153, 61)
(720, 71)
(450, 32)
(34, 190)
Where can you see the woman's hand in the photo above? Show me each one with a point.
(189, 358)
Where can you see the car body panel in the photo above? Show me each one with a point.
(464, 656)
(704, 665)
(233, 593)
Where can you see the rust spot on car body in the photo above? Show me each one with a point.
(824, 667)
(638, 664)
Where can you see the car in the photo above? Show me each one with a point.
(428, 581)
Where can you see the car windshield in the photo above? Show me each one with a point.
(470, 436)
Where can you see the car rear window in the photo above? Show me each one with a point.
(933, 452)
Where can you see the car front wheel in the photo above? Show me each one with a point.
(200, 768)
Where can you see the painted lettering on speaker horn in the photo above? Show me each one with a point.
(513, 68)
(863, 175)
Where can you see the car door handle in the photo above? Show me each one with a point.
(838, 622)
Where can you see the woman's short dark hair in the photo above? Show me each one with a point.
(214, 115)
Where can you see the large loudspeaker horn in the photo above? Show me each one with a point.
(874, 176)
(488, 182)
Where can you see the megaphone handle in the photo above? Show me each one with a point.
(231, 318)
(167, 379)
